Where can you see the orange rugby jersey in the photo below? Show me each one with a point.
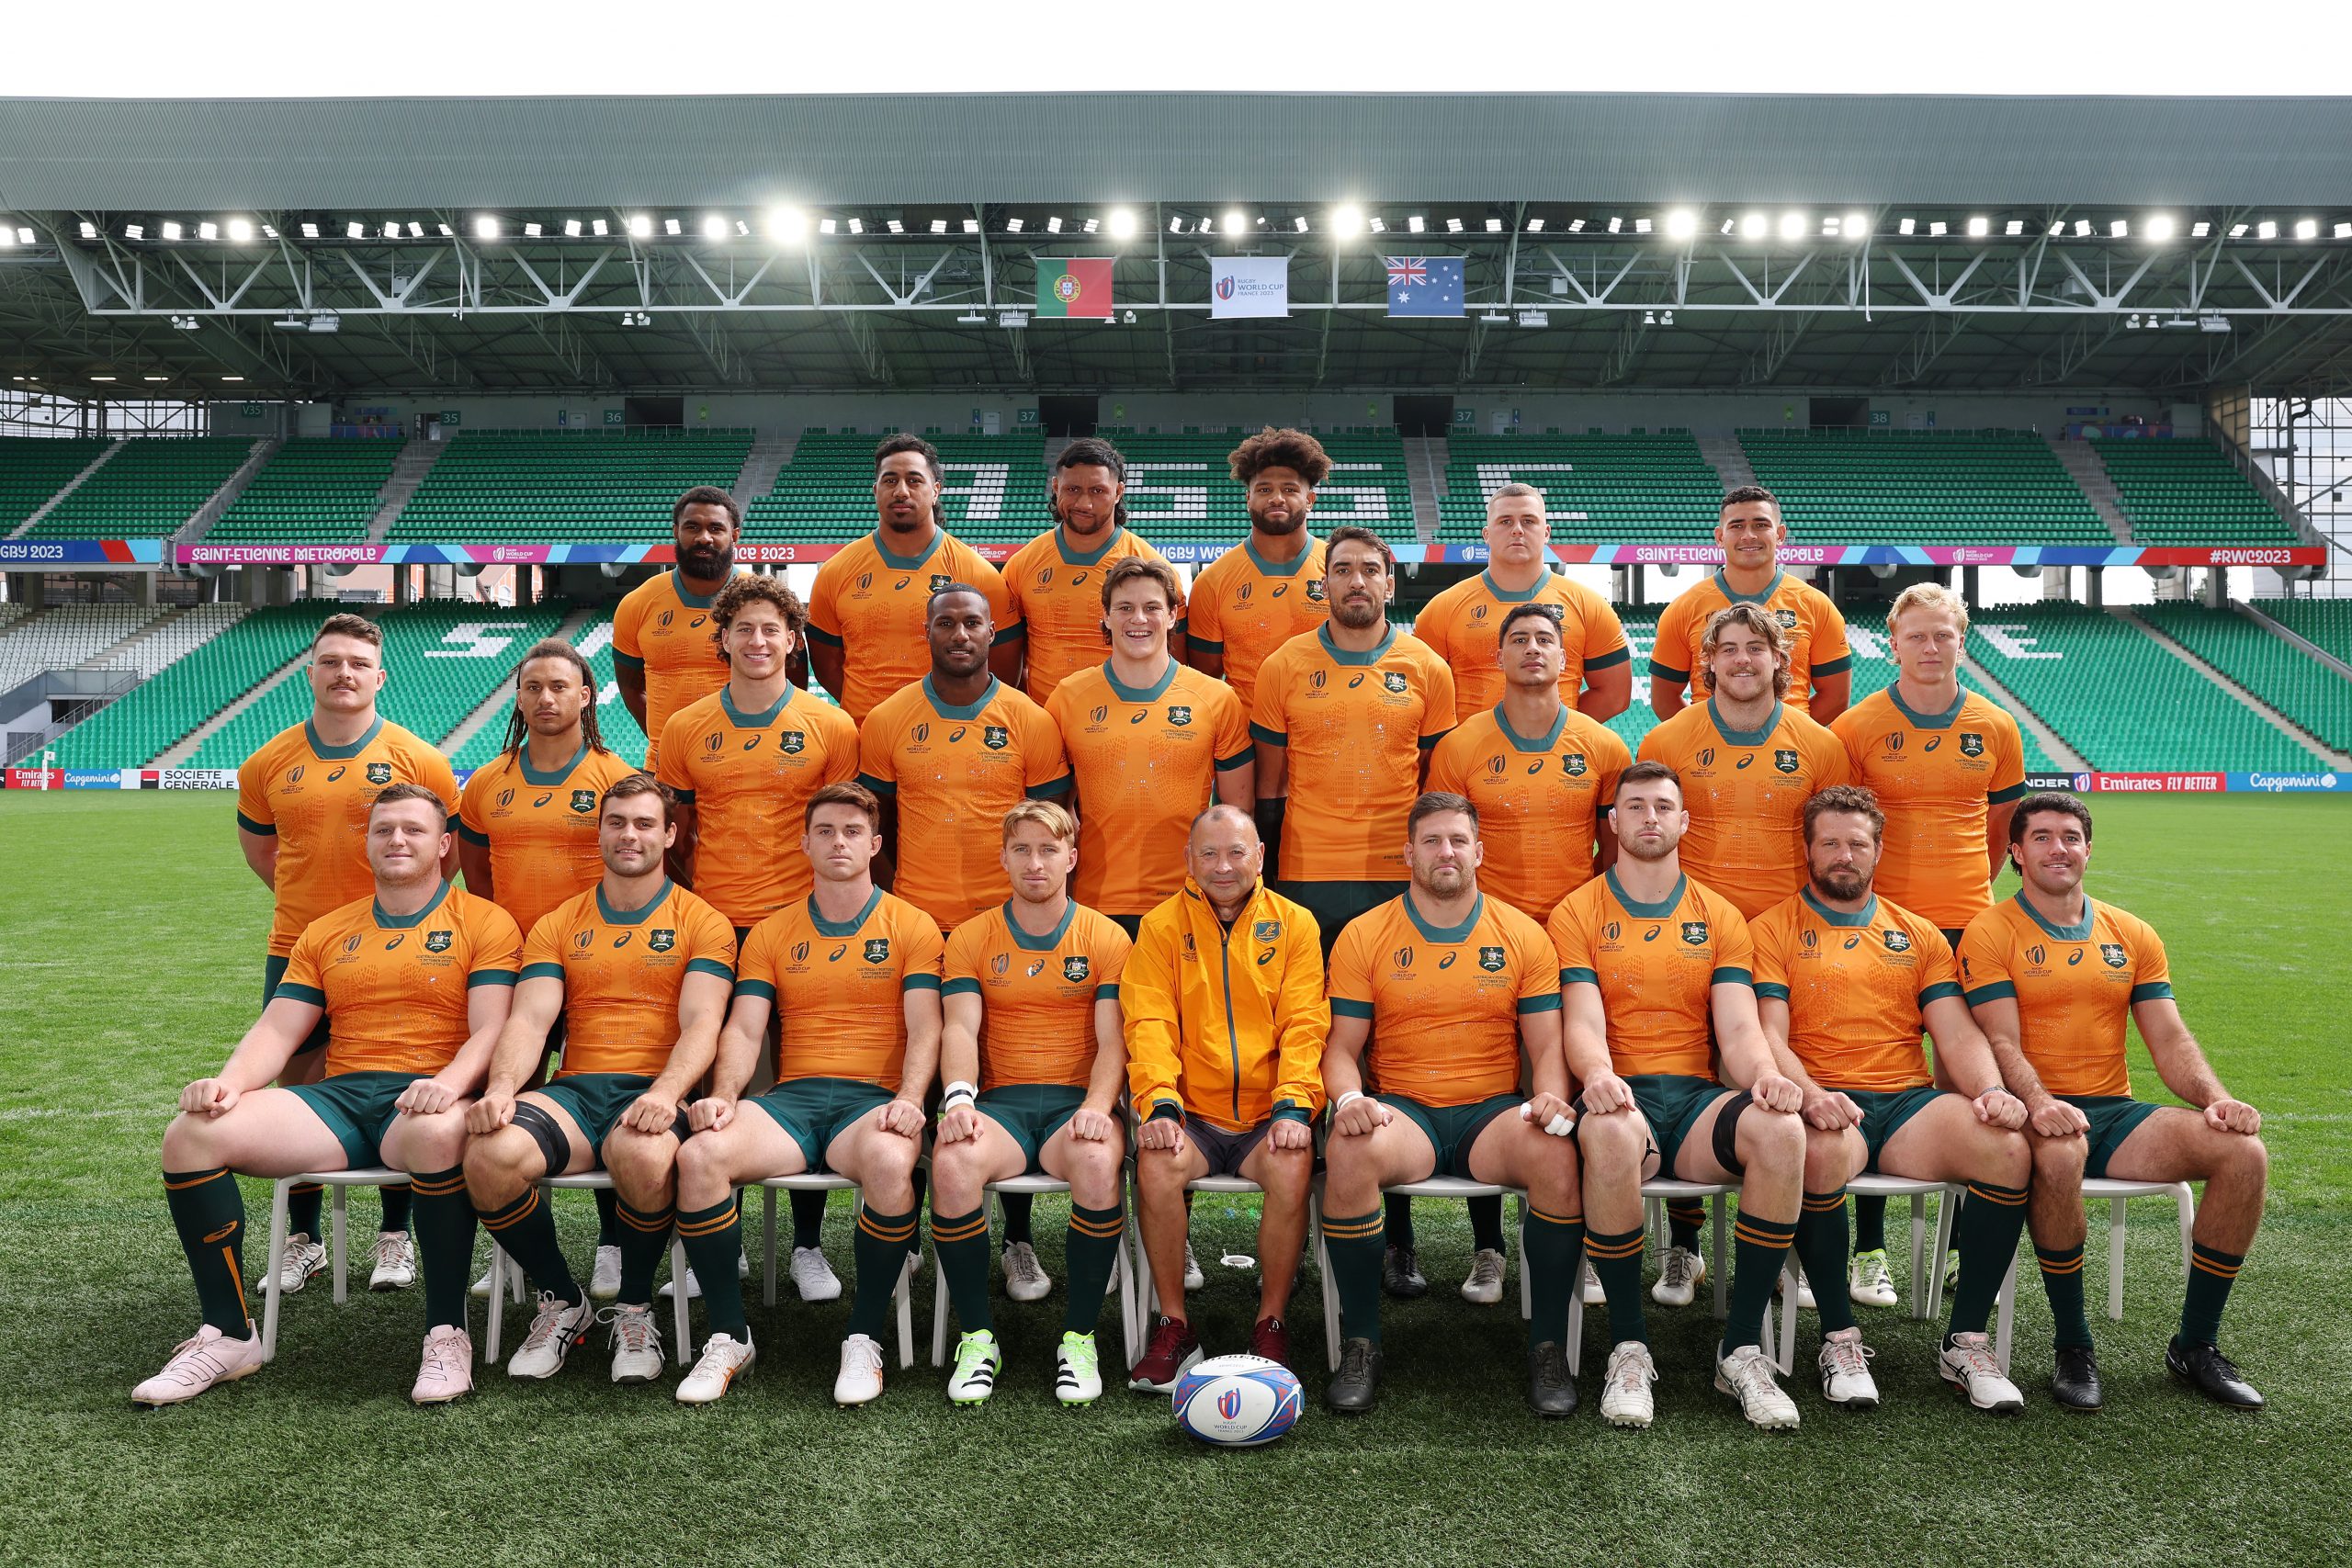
(954, 770)
(1855, 985)
(1655, 965)
(314, 798)
(1356, 724)
(664, 630)
(1037, 993)
(1934, 775)
(622, 973)
(2075, 986)
(1539, 800)
(1245, 606)
(1445, 1001)
(1746, 792)
(839, 989)
(1464, 625)
(1057, 598)
(875, 605)
(394, 987)
(540, 828)
(748, 777)
(1816, 631)
(1143, 761)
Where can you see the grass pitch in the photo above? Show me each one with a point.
(130, 943)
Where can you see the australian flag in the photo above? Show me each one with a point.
(1424, 286)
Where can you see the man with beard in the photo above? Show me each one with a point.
(1821, 663)
(662, 655)
(1268, 589)
(872, 602)
(1056, 578)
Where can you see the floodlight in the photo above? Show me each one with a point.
(1494, 225)
(355, 230)
(1753, 226)
(171, 231)
(101, 378)
(27, 237)
(1649, 318)
(2120, 230)
(309, 231)
(939, 225)
(1235, 223)
(1938, 229)
(1298, 224)
(714, 227)
(1379, 225)
(232, 377)
(1122, 223)
(1979, 226)
(1453, 225)
(2132, 323)
(1415, 224)
(857, 225)
(641, 226)
(2265, 230)
(1682, 223)
(2210, 323)
(134, 231)
(1641, 225)
(671, 227)
(1013, 320)
(1908, 226)
(1615, 224)
(971, 225)
(1535, 225)
(7, 235)
(241, 232)
(1176, 224)
(598, 227)
(1792, 225)
(2081, 228)
(1576, 225)
(1728, 225)
(2014, 227)
(2307, 229)
(2057, 227)
(2237, 230)
(1053, 225)
(208, 230)
(788, 223)
(1011, 225)
(571, 228)
(1349, 220)
(895, 226)
(154, 378)
(2200, 228)
(89, 230)
(2342, 230)
(2159, 226)
(417, 230)
(1534, 319)
(392, 231)
(485, 228)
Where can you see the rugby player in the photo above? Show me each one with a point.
(413, 980)
(1455, 985)
(1821, 663)
(1054, 580)
(660, 638)
(853, 974)
(639, 969)
(527, 829)
(1651, 963)
(302, 803)
(1034, 1063)
(1226, 1022)
(2051, 974)
(1846, 981)
(1269, 588)
(871, 602)
(1464, 622)
(1948, 767)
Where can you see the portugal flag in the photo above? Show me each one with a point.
(1079, 286)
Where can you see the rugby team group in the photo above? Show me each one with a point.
(1091, 877)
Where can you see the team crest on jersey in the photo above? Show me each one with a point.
(583, 801)
(661, 941)
(1785, 762)
(1075, 968)
(1490, 959)
(2112, 952)
(1394, 680)
(1267, 931)
(878, 950)
(1695, 933)
(1574, 764)
(1897, 942)
(995, 737)
(1971, 746)
(379, 772)
(1315, 588)
(794, 742)
(1179, 715)
(940, 580)
(439, 941)
(1788, 619)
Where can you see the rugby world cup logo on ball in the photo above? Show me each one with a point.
(1237, 1401)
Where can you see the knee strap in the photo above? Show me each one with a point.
(555, 1144)
(1727, 1138)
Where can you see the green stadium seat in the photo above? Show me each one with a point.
(565, 487)
(2186, 492)
(1597, 489)
(33, 469)
(313, 489)
(148, 489)
(2307, 693)
(1966, 487)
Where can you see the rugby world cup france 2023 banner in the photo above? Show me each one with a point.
(1249, 286)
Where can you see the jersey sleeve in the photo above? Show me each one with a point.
(924, 953)
(1829, 651)
(672, 748)
(629, 623)
(1302, 1021)
(1939, 974)
(1112, 949)
(755, 967)
(1572, 946)
(711, 945)
(473, 821)
(1539, 968)
(2007, 782)
(1437, 714)
(999, 593)
(824, 623)
(878, 760)
(1434, 625)
(1604, 634)
(1736, 946)
(543, 949)
(1044, 765)
(840, 745)
(497, 946)
(1204, 626)
(1672, 642)
(1269, 723)
(1233, 748)
(1828, 762)
(1449, 765)
(963, 958)
(1615, 757)
(1984, 957)
(1351, 976)
(303, 980)
(255, 814)
(1767, 939)
(2151, 971)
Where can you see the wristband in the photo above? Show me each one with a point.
(1345, 1099)
(958, 1093)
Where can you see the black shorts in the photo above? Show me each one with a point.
(1224, 1151)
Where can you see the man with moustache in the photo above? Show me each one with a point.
(662, 657)
(1056, 578)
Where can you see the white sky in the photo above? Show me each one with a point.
(149, 48)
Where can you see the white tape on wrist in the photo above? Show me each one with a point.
(1347, 1100)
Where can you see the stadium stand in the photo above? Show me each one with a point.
(1181, 489)
(1640, 622)
(1988, 487)
(2324, 623)
(1597, 489)
(2309, 694)
(2187, 493)
(66, 636)
(311, 490)
(566, 487)
(995, 489)
(2069, 663)
(33, 469)
(148, 489)
(226, 651)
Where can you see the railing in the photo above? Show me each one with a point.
(2270, 489)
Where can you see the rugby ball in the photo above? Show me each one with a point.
(1237, 1401)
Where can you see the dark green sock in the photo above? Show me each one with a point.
(2212, 1272)
(1397, 1221)
(397, 1200)
(1759, 1249)
(644, 1238)
(921, 1182)
(960, 1241)
(1486, 1223)
(305, 1206)
(714, 1238)
(526, 1228)
(1987, 1238)
(208, 1211)
(1821, 1248)
(1018, 1209)
(1090, 1249)
(1355, 1244)
(1616, 1258)
(1683, 1218)
(2061, 1280)
(445, 1243)
(1870, 1226)
(808, 1219)
(608, 1224)
(882, 1245)
(1552, 1243)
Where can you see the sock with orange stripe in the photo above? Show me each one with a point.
(883, 1242)
(2212, 1272)
(305, 1206)
(2061, 1280)
(526, 1228)
(1355, 1245)
(1683, 1218)
(1821, 1248)
(445, 1243)
(1553, 1242)
(1759, 1249)
(960, 1241)
(1616, 1259)
(644, 1238)
(208, 1211)
(1985, 1236)
(1091, 1247)
(714, 1238)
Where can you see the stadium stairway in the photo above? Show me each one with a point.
(1425, 461)
(2322, 628)
(200, 522)
(18, 474)
(277, 641)
(415, 461)
(1729, 460)
(761, 464)
(488, 719)
(2053, 748)
(2177, 627)
(2090, 477)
